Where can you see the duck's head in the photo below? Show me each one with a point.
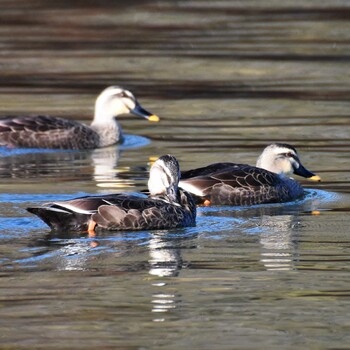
(281, 158)
(114, 101)
(164, 178)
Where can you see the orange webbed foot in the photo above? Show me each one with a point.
(207, 203)
(91, 228)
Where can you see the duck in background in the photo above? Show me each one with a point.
(241, 184)
(166, 207)
(58, 133)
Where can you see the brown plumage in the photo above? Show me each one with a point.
(242, 184)
(166, 207)
(58, 133)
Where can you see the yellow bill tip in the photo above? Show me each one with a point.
(152, 159)
(315, 178)
(153, 118)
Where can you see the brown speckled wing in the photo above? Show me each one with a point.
(37, 123)
(238, 175)
(135, 213)
(46, 132)
(246, 176)
(242, 184)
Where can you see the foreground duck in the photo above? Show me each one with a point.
(58, 133)
(241, 184)
(166, 207)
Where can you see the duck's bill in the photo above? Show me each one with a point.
(301, 171)
(139, 111)
(314, 178)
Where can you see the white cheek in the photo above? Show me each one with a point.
(157, 182)
(155, 187)
(287, 167)
(128, 104)
(282, 166)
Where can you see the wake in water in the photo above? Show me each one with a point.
(213, 223)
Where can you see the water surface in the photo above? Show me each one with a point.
(226, 78)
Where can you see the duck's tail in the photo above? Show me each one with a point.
(59, 220)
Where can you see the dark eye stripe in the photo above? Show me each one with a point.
(290, 155)
(122, 94)
(166, 171)
(169, 178)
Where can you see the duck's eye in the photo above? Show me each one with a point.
(121, 94)
(127, 95)
(288, 155)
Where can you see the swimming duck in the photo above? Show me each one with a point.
(58, 133)
(241, 184)
(166, 207)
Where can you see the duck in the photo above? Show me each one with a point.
(167, 206)
(42, 131)
(236, 184)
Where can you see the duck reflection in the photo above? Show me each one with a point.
(73, 257)
(280, 230)
(277, 228)
(67, 252)
(165, 258)
(163, 302)
(107, 173)
(75, 251)
(278, 238)
(104, 162)
(100, 165)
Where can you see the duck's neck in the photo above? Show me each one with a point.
(265, 163)
(108, 130)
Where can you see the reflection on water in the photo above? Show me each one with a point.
(32, 163)
(165, 259)
(178, 274)
(162, 303)
(101, 166)
(275, 228)
(278, 238)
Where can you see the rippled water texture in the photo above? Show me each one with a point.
(226, 78)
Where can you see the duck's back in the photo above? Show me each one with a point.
(239, 184)
(46, 132)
